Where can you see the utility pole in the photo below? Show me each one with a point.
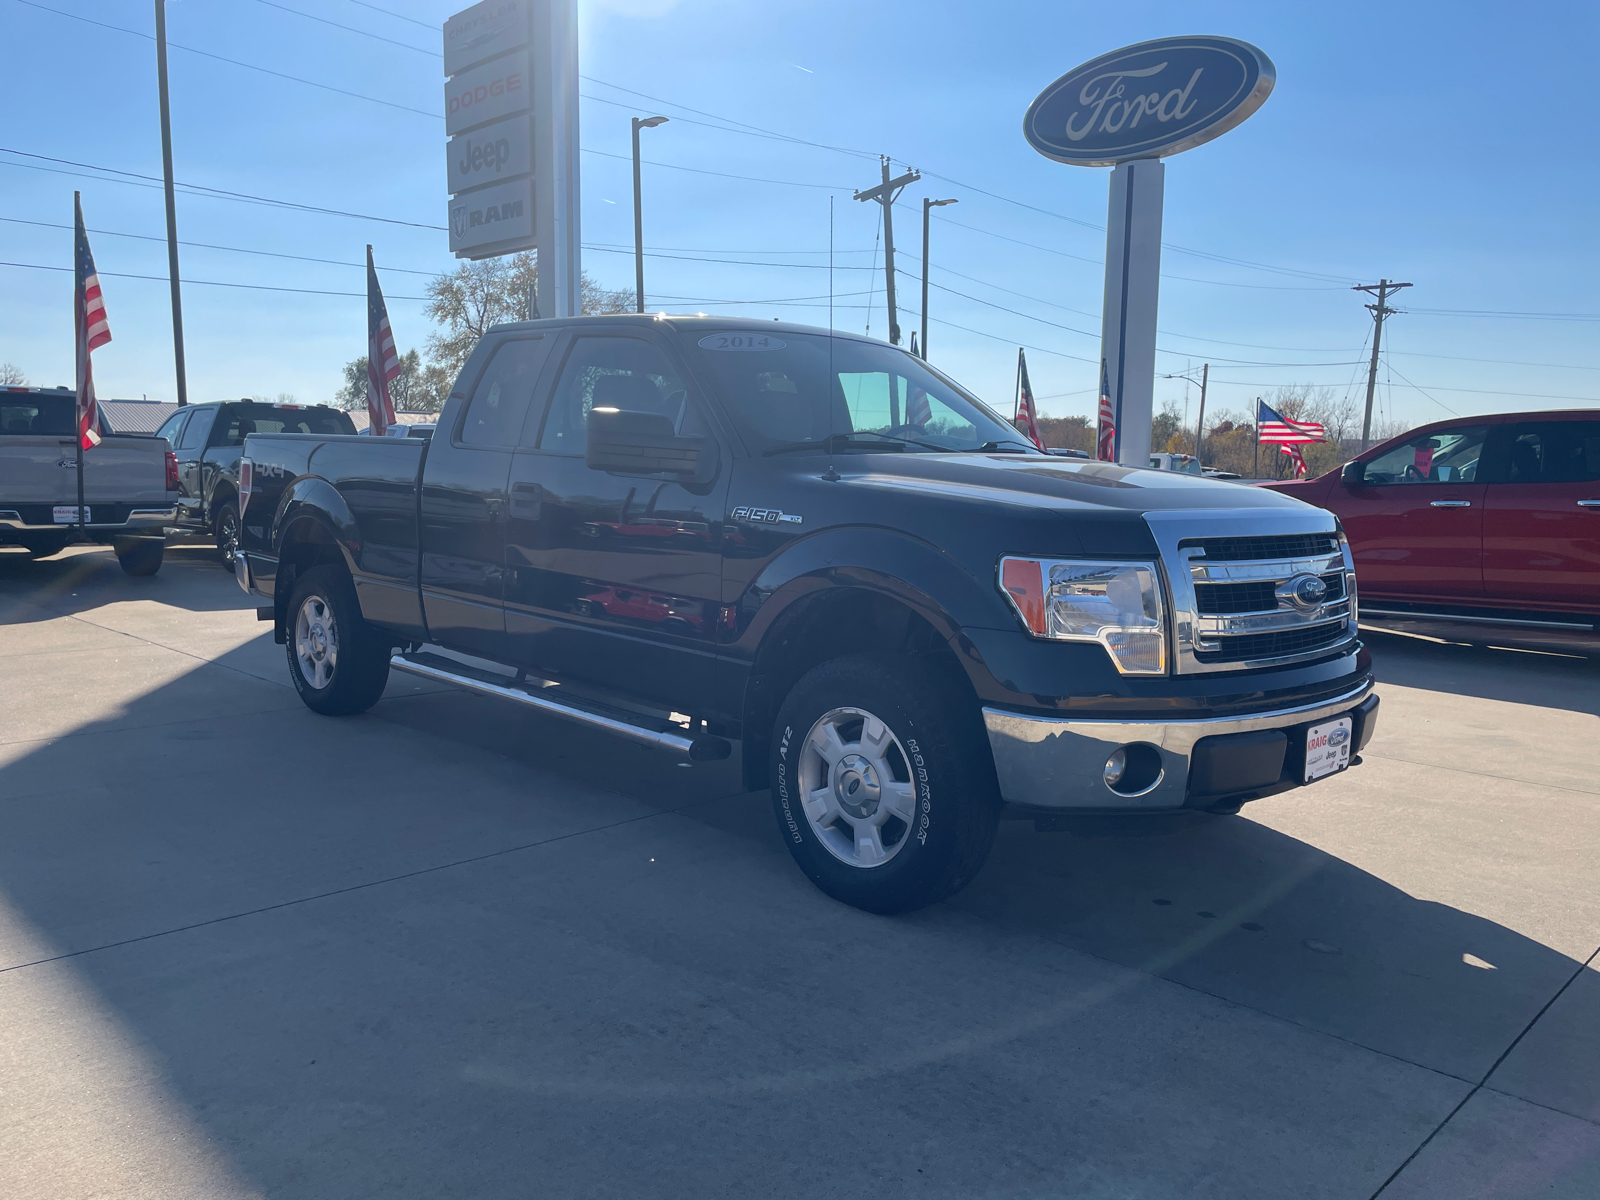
(1200, 425)
(927, 204)
(1383, 289)
(638, 211)
(172, 208)
(886, 193)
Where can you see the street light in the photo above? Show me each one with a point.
(638, 211)
(926, 205)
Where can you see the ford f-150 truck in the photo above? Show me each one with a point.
(130, 482)
(691, 530)
(209, 439)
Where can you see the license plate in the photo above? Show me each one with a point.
(67, 514)
(1328, 747)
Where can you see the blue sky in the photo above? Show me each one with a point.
(1450, 145)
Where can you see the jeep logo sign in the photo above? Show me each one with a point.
(500, 213)
(1149, 100)
(488, 155)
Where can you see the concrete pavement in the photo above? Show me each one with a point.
(449, 948)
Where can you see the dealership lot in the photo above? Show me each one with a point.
(448, 948)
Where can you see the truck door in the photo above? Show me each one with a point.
(615, 578)
(1541, 534)
(463, 529)
(1416, 523)
(191, 451)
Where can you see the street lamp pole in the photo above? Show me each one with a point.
(926, 205)
(638, 211)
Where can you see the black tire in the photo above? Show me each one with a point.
(346, 661)
(140, 556)
(226, 529)
(44, 547)
(938, 749)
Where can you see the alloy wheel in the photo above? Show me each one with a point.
(856, 788)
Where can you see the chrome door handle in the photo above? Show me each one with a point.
(1589, 503)
(1450, 504)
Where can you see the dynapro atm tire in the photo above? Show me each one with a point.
(882, 785)
(339, 663)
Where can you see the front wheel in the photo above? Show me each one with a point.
(883, 786)
(339, 663)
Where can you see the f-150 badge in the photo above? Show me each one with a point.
(766, 516)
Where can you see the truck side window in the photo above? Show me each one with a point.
(626, 373)
(1449, 456)
(499, 402)
(1553, 452)
(194, 435)
(170, 427)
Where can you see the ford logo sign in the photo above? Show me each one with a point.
(1303, 591)
(1149, 100)
(1339, 736)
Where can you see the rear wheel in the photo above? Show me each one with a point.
(226, 528)
(338, 662)
(140, 556)
(44, 547)
(883, 786)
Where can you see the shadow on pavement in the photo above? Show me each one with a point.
(1518, 676)
(86, 577)
(438, 951)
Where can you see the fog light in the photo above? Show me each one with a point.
(1115, 766)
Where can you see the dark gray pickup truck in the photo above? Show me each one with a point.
(692, 531)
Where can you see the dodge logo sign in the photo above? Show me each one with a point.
(1149, 100)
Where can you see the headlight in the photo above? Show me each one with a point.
(1117, 604)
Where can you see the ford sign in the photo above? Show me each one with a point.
(1149, 100)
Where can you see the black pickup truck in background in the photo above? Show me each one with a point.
(208, 440)
(691, 531)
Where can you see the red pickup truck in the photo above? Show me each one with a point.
(1477, 517)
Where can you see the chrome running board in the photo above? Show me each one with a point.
(647, 731)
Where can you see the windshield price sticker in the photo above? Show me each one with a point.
(1328, 748)
(740, 341)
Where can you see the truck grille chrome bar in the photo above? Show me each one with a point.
(1281, 590)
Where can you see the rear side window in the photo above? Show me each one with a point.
(47, 415)
(500, 401)
(172, 425)
(194, 434)
(1554, 452)
(243, 420)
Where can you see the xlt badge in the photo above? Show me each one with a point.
(765, 516)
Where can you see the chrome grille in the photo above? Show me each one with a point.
(1274, 589)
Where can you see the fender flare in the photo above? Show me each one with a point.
(311, 498)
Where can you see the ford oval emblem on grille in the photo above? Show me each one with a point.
(1303, 591)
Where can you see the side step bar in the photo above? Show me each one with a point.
(660, 735)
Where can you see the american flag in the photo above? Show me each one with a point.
(383, 364)
(1026, 412)
(89, 326)
(918, 411)
(1106, 446)
(1276, 429)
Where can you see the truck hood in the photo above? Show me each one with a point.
(1028, 481)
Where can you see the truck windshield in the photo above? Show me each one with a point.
(48, 415)
(787, 393)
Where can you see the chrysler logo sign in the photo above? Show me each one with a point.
(1149, 100)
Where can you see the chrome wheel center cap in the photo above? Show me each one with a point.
(855, 785)
(319, 641)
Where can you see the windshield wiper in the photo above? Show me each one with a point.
(995, 447)
(827, 445)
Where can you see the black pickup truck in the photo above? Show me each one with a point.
(693, 530)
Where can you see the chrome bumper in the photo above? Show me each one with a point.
(1046, 763)
(140, 520)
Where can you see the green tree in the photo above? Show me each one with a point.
(1165, 425)
(417, 388)
(467, 301)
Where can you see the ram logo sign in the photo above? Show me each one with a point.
(492, 215)
(1149, 100)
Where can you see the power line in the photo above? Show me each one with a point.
(1483, 312)
(254, 287)
(388, 12)
(349, 28)
(327, 87)
(827, 187)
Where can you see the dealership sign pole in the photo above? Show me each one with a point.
(511, 110)
(1128, 110)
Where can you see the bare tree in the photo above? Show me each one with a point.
(417, 388)
(476, 295)
(11, 375)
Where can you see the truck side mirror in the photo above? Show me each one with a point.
(642, 443)
(1354, 473)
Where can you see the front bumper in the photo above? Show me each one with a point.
(1059, 765)
(142, 521)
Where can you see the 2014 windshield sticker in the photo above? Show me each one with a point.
(740, 341)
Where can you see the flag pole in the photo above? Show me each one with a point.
(1016, 396)
(80, 343)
